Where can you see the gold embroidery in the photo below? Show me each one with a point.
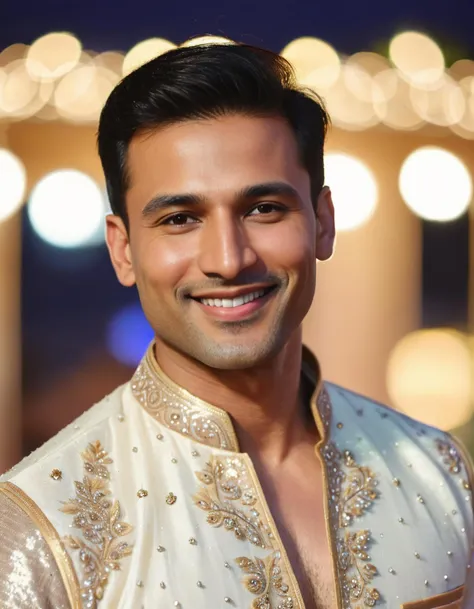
(357, 545)
(98, 517)
(450, 455)
(179, 410)
(358, 492)
(225, 482)
(350, 495)
(264, 579)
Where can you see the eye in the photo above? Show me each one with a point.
(179, 220)
(265, 209)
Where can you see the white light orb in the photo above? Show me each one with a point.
(418, 58)
(435, 184)
(53, 55)
(316, 63)
(354, 190)
(429, 377)
(82, 93)
(145, 51)
(12, 183)
(66, 209)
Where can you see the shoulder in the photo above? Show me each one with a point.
(88, 424)
(401, 437)
(29, 573)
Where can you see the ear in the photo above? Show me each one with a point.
(119, 249)
(325, 225)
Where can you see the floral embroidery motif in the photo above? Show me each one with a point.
(98, 517)
(223, 483)
(264, 579)
(180, 411)
(351, 493)
(450, 454)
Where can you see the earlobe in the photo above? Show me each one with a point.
(118, 245)
(325, 225)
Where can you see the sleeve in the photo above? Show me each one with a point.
(29, 576)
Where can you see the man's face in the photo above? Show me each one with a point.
(223, 237)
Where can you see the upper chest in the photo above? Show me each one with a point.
(203, 527)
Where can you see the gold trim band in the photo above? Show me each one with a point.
(63, 560)
(447, 600)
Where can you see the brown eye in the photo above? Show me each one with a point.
(179, 220)
(265, 208)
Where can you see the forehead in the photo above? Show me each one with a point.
(213, 155)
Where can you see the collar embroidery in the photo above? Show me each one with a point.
(188, 415)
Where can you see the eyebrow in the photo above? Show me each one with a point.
(266, 189)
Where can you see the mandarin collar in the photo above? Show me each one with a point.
(184, 413)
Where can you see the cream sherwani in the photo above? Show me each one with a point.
(146, 502)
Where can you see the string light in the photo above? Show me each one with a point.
(441, 199)
(429, 377)
(66, 209)
(354, 189)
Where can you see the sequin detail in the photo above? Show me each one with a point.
(450, 454)
(225, 483)
(180, 411)
(264, 579)
(352, 489)
(98, 517)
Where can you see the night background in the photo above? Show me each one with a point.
(81, 332)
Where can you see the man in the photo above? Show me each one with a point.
(226, 473)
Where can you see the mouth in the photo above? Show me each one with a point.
(237, 309)
(237, 301)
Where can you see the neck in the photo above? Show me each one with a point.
(264, 402)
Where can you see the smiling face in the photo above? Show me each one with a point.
(223, 237)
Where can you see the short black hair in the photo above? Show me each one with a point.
(201, 82)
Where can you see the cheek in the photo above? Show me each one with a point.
(291, 247)
(163, 262)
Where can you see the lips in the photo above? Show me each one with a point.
(233, 302)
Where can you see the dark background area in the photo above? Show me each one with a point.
(68, 298)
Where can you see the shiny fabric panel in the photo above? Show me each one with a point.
(29, 576)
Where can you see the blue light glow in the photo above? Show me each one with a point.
(128, 335)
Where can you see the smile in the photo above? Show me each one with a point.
(234, 302)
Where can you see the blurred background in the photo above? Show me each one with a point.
(393, 317)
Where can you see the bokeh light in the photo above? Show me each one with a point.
(128, 335)
(435, 184)
(66, 209)
(82, 93)
(145, 51)
(13, 53)
(354, 189)
(418, 58)
(12, 183)
(394, 107)
(429, 378)
(315, 62)
(442, 105)
(53, 55)
(349, 99)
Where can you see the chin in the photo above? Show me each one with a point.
(239, 357)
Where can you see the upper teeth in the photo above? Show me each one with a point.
(232, 302)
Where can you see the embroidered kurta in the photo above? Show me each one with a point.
(145, 501)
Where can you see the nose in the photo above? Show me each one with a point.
(225, 250)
